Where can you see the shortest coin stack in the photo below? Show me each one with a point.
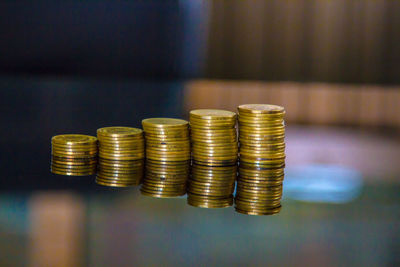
(121, 156)
(211, 187)
(74, 154)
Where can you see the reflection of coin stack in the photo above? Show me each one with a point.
(121, 156)
(262, 159)
(167, 157)
(74, 154)
(211, 187)
(214, 153)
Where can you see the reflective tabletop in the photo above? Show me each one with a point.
(339, 207)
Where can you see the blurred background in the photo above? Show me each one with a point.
(73, 67)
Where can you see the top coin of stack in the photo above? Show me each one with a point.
(262, 159)
(167, 139)
(121, 154)
(74, 154)
(213, 136)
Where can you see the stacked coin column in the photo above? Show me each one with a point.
(214, 155)
(167, 157)
(73, 154)
(121, 156)
(262, 159)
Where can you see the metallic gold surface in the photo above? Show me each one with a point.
(262, 159)
(214, 137)
(73, 154)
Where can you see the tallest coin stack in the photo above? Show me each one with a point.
(262, 159)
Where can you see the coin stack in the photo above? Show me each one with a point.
(121, 156)
(262, 159)
(214, 154)
(74, 154)
(211, 187)
(167, 157)
(213, 137)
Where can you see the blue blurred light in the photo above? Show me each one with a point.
(322, 183)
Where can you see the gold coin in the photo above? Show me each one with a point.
(162, 194)
(116, 183)
(262, 139)
(261, 108)
(214, 139)
(213, 114)
(73, 139)
(73, 173)
(167, 164)
(196, 124)
(119, 131)
(206, 156)
(261, 124)
(265, 173)
(122, 144)
(121, 152)
(214, 145)
(260, 130)
(169, 147)
(261, 135)
(133, 180)
(153, 187)
(74, 148)
(167, 139)
(169, 168)
(164, 123)
(215, 163)
(133, 163)
(114, 157)
(168, 158)
(73, 170)
(206, 204)
(257, 205)
(213, 132)
(224, 149)
(73, 159)
(261, 118)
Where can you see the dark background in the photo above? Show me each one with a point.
(307, 40)
(139, 39)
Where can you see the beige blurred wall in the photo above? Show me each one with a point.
(312, 103)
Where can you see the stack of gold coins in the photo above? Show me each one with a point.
(121, 156)
(211, 187)
(262, 159)
(214, 155)
(73, 154)
(213, 137)
(167, 157)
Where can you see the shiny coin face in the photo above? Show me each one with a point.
(71, 139)
(213, 114)
(164, 122)
(119, 131)
(261, 108)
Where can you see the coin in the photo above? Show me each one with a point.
(73, 139)
(119, 132)
(261, 109)
(169, 123)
